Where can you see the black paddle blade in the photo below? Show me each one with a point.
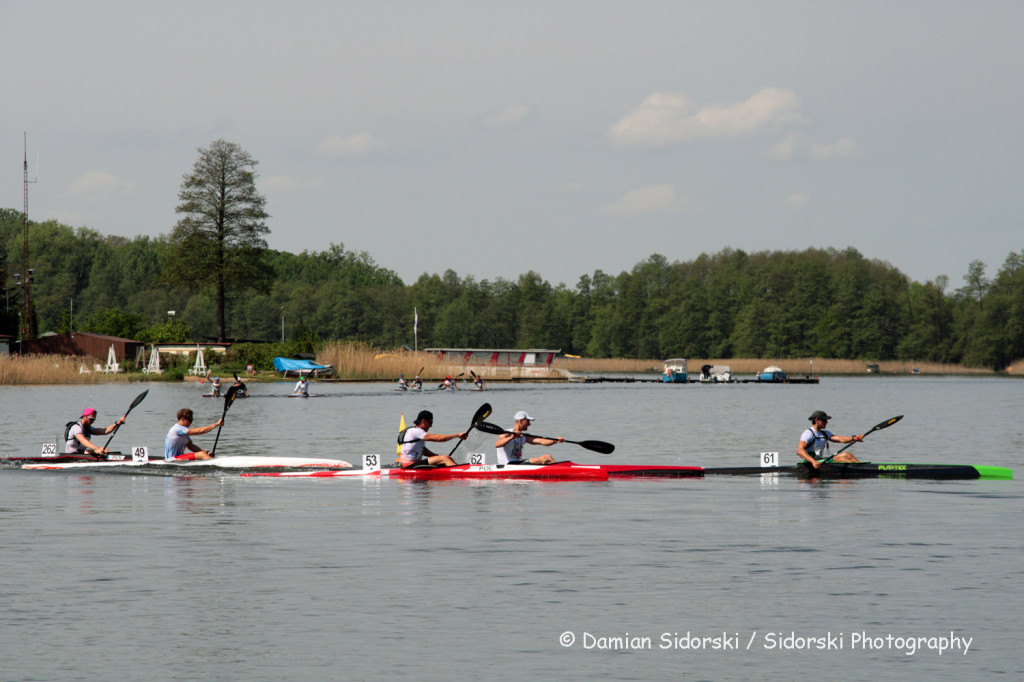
(481, 414)
(135, 403)
(488, 427)
(887, 423)
(596, 446)
(877, 427)
(229, 397)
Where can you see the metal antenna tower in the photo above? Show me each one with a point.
(28, 323)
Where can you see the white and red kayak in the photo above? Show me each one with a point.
(235, 462)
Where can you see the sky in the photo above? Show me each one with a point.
(494, 138)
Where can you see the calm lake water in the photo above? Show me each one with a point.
(217, 577)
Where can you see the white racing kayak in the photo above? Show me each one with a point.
(235, 462)
(371, 467)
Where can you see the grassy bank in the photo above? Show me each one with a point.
(52, 369)
(358, 361)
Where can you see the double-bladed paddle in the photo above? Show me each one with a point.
(478, 418)
(593, 445)
(455, 382)
(877, 427)
(228, 399)
(139, 399)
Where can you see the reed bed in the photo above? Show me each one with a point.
(51, 369)
(359, 361)
(793, 366)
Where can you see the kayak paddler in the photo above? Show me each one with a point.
(80, 432)
(813, 445)
(413, 441)
(179, 438)
(510, 445)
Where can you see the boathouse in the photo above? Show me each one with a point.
(517, 362)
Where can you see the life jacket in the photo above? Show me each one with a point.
(401, 437)
(86, 431)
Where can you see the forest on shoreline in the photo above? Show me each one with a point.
(824, 303)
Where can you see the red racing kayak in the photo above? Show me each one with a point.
(565, 471)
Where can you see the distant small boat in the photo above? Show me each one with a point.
(716, 374)
(675, 372)
(772, 374)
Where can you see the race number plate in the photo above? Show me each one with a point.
(49, 450)
(769, 459)
(140, 453)
(371, 462)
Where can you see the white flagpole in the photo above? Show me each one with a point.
(415, 327)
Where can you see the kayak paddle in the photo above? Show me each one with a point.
(228, 399)
(481, 414)
(593, 445)
(139, 399)
(877, 427)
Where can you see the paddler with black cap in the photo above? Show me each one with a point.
(414, 438)
(813, 445)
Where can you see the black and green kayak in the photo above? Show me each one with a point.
(872, 470)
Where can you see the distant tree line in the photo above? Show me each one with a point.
(824, 303)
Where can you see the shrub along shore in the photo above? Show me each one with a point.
(359, 362)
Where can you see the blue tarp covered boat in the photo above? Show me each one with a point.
(302, 367)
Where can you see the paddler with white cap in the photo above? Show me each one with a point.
(510, 444)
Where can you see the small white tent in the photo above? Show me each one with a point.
(154, 362)
(200, 369)
(112, 364)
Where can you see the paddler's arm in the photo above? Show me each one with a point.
(442, 437)
(537, 440)
(200, 430)
(801, 449)
(846, 439)
(504, 438)
(110, 428)
(89, 445)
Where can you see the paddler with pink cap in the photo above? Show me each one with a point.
(78, 433)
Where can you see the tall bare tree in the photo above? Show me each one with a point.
(219, 244)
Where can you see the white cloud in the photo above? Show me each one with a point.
(784, 149)
(508, 115)
(356, 146)
(796, 201)
(664, 119)
(844, 148)
(652, 199)
(100, 186)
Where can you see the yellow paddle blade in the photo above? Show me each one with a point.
(401, 425)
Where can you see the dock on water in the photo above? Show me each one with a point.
(635, 380)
